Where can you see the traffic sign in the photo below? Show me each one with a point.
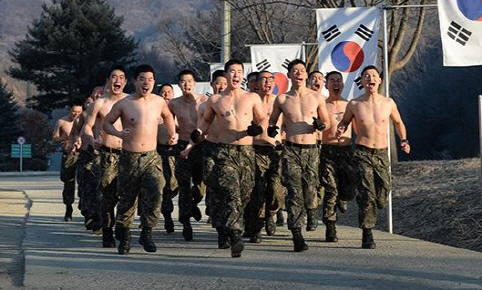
(21, 140)
(26, 151)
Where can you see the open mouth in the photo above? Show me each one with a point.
(145, 89)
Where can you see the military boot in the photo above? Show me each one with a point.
(280, 220)
(168, 223)
(367, 239)
(237, 245)
(187, 232)
(312, 220)
(342, 205)
(124, 239)
(146, 241)
(270, 226)
(298, 240)
(108, 240)
(223, 241)
(68, 213)
(256, 238)
(330, 234)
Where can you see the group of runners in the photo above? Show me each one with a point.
(250, 154)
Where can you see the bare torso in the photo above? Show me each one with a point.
(62, 131)
(336, 109)
(108, 140)
(213, 131)
(264, 139)
(186, 111)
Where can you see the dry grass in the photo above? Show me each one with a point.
(438, 201)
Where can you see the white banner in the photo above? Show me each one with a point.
(347, 42)
(220, 66)
(461, 31)
(275, 59)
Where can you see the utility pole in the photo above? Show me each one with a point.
(226, 33)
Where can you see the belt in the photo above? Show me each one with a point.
(371, 150)
(110, 150)
(233, 146)
(291, 144)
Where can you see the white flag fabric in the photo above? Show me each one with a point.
(347, 42)
(461, 32)
(275, 59)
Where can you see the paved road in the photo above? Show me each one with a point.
(40, 251)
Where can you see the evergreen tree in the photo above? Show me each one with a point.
(10, 130)
(69, 49)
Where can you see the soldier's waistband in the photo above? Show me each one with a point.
(110, 150)
(144, 153)
(165, 146)
(234, 147)
(303, 146)
(371, 150)
(263, 149)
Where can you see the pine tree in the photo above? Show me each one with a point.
(10, 130)
(69, 49)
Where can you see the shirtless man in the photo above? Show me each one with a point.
(61, 133)
(140, 167)
(185, 110)
(336, 168)
(167, 153)
(236, 111)
(268, 191)
(252, 82)
(372, 113)
(110, 149)
(304, 112)
(316, 80)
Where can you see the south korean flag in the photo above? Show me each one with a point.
(347, 42)
(461, 32)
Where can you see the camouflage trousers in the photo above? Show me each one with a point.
(300, 177)
(213, 207)
(171, 189)
(373, 183)
(88, 168)
(107, 193)
(140, 180)
(187, 171)
(336, 177)
(268, 195)
(67, 175)
(234, 170)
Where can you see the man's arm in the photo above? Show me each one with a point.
(89, 122)
(168, 119)
(346, 120)
(399, 127)
(323, 111)
(110, 119)
(56, 133)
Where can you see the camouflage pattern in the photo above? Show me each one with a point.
(234, 170)
(187, 171)
(140, 180)
(107, 195)
(268, 194)
(88, 168)
(67, 175)
(373, 183)
(336, 177)
(300, 177)
(171, 189)
(210, 150)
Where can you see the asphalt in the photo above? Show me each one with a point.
(38, 250)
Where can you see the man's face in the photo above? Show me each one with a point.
(219, 85)
(117, 81)
(144, 83)
(316, 82)
(253, 84)
(187, 84)
(266, 83)
(97, 93)
(371, 80)
(334, 84)
(235, 76)
(167, 93)
(75, 112)
(298, 74)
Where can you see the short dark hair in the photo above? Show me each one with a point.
(262, 72)
(315, 72)
(76, 102)
(216, 74)
(116, 67)
(333, 72)
(380, 73)
(142, 69)
(165, 85)
(185, 72)
(253, 73)
(295, 62)
(231, 62)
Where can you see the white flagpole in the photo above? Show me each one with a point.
(480, 135)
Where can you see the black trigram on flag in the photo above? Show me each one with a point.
(364, 32)
(286, 63)
(331, 33)
(358, 83)
(458, 33)
(263, 65)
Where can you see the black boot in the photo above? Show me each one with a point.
(312, 220)
(124, 239)
(298, 240)
(196, 212)
(223, 241)
(146, 241)
(256, 238)
(280, 220)
(367, 239)
(330, 234)
(187, 232)
(68, 213)
(342, 205)
(168, 223)
(108, 240)
(237, 245)
(270, 226)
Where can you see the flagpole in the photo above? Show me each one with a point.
(480, 135)
(225, 36)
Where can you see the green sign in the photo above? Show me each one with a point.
(26, 151)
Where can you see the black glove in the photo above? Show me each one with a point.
(254, 129)
(272, 131)
(196, 136)
(318, 125)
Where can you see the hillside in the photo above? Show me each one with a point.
(438, 201)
